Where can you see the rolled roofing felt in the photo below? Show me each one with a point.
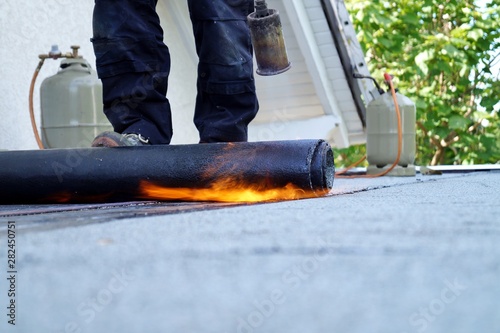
(231, 172)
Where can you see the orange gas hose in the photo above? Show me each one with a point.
(400, 140)
(355, 164)
(32, 112)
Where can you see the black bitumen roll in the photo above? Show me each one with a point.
(118, 174)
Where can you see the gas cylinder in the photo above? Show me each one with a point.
(71, 106)
(382, 135)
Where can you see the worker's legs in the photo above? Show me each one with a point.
(133, 64)
(226, 101)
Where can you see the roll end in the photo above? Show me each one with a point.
(322, 168)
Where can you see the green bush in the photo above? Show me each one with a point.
(442, 55)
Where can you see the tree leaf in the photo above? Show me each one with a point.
(421, 60)
(442, 54)
(475, 34)
(458, 122)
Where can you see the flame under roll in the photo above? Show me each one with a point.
(229, 172)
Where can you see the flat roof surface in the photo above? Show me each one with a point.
(377, 255)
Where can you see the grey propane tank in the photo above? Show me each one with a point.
(71, 106)
(382, 129)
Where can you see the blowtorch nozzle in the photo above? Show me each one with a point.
(267, 39)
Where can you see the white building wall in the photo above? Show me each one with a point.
(29, 28)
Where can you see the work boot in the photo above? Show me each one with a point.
(113, 139)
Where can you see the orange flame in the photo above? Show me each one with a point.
(226, 190)
(68, 197)
(231, 188)
(62, 197)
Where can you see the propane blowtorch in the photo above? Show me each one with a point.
(268, 41)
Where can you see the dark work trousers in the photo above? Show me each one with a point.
(133, 63)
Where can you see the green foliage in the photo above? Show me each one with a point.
(441, 54)
(347, 156)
